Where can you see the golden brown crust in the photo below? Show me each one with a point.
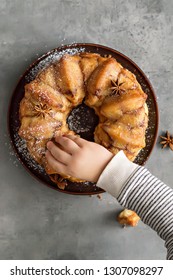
(110, 89)
(116, 106)
(128, 217)
(89, 63)
(39, 92)
(99, 83)
(47, 76)
(69, 78)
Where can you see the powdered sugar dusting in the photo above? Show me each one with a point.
(51, 57)
(150, 131)
(78, 120)
(74, 120)
(21, 147)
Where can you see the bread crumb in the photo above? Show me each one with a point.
(99, 196)
(128, 217)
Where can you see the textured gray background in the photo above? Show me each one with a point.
(35, 221)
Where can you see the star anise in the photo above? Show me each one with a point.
(116, 87)
(167, 141)
(41, 110)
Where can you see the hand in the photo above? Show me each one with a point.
(76, 157)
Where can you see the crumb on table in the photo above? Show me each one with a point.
(128, 217)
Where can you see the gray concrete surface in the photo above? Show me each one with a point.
(35, 221)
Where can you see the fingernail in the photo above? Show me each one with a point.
(49, 144)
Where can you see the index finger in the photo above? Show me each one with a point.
(67, 144)
(78, 140)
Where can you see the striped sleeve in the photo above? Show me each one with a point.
(152, 200)
(137, 189)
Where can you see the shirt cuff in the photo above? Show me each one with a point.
(116, 173)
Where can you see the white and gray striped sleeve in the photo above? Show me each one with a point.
(142, 192)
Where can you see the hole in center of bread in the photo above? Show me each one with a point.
(83, 120)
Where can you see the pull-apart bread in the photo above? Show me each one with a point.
(102, 84)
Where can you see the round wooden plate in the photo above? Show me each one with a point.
(14, 122)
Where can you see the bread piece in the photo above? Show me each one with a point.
(99, 83)
(123, 135)
(69, 78)
(128, 217)
(38, 127)
(89, 62)
(48, 76)
(39, 92)
(116, 106)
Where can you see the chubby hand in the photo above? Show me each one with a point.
(77, 157)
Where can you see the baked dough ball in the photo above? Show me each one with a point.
(102, 84)
(128, 217)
